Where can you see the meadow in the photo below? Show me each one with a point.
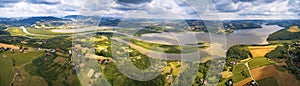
(8, 60)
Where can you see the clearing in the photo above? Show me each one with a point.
(294, 29)
(10, 46)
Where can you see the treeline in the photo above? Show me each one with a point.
(279, 52)
(241, 25)
(52, 43)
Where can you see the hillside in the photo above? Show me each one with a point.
(291, 33)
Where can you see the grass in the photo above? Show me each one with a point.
(270, 81)
(22, 58)
(258, 62)
(237, 73)
(6, 73)
(6, 62)
(15, 31)
(175, 49)
(44, 32)
(29, 80)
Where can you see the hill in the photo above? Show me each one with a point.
(292, 33)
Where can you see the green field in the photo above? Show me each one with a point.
(258, 62)
(6, 62)
(15, 31)
(237, 73)
(176, 49)
(6, 73)
(44, 32)
(270, 81)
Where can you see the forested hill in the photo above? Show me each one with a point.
(291, 33)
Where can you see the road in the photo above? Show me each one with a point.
(291, 59)
(247, 65)
(80, 30)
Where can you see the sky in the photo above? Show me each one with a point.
(174, 9)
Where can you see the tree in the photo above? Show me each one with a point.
(278, 52)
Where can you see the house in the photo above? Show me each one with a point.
(233, 62)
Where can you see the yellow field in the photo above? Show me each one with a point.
(10, 46)
(294, 29)
(258, 51)
(226, 74)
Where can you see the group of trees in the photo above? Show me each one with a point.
(51, 71)
(2, 27)
(2, 32)
(238, 52)
(279, 52)
(52, 43)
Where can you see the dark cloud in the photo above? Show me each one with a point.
(132, 1)
(7, 2)
(226, 8)
(125, 8)
(245, 0)
(237, 5)
(254, 1)
(65, 7)
(47, 2)
(97, 5)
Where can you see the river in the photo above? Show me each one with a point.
(245, 36)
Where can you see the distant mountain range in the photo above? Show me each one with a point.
(27, 21)
(114, 21)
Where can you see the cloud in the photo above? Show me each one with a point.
(4, 3)
(294, 6)
(132, 1)
(205, 9)
(47, 2)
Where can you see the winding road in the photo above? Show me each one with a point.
(291, 59)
